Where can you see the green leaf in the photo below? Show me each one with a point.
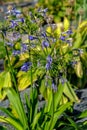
(35, 121)
(83, 114)
(5, 82)
(78, 40)
(56, 115)
(78, 69)
(17, 105)
(11, 121)
(69, 92)
(24, 78)
(66, 24)
(72, 123)
(2, 50)
(2, 128)
(58, 96)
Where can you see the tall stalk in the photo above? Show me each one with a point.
(14, 80)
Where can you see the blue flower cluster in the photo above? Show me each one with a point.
(24, 48)
(16, 52)
(14, 12)
(26, 66)
(9, 44)
(13, 24)
(65, 37)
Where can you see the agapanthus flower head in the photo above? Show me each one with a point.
(32, 37)
(45, 44)
(26, 66)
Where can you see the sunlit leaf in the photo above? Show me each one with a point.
(78, 69)
(17, 105)
(69, 92)
(66, 24)
(78, 40)
(5, 82)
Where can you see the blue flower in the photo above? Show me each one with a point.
(15, 12)
(16, 52)
(69, 32)
(13, 24)
(32, 37)
(10, 44)
(49, 59)
(54, 87)
(63, 80)
(62, 38)
(49, 62)
(48, 65)
(42, 10)
(25, 67)
(20, 20)
(45, 44)
(24, 47)
(44, 34)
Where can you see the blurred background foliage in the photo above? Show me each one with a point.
(69, 8)
(74, 10)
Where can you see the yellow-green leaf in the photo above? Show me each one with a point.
(78, 69)
(66, 24)
(69, 92)
(5, 82)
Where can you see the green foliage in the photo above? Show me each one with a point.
(72, 9)
(33, 119)
(46, 61)
(2, 50)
